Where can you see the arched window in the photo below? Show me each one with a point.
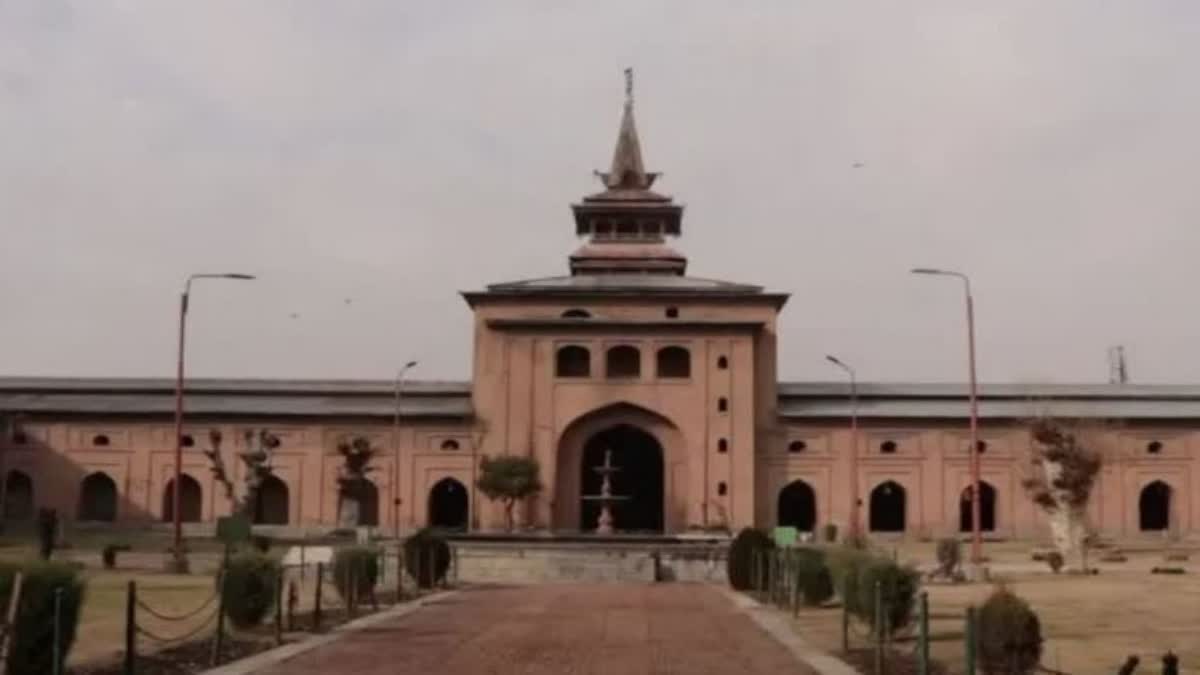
(674, 362)
(1154, 507)
(797, 506)
(987, 509)
(573, 361)
(448, 505)
(722, 489)
(18, 496)
(623, 361)
(98, 498)
(722, 363)
(186, 441)
(576, 314)
(449, 444)
(797, 446)
(271, 505)
(887, 509)
(1154, 447)
(722, 445)
(190, 500)
(722, 404)
(888, 447)
(100, 440)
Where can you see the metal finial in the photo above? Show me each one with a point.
(629, 86)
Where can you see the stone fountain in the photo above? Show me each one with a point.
(604, 525)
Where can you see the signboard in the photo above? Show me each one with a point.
(785, 537)
(233, 529)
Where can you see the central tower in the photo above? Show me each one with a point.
(627, 223)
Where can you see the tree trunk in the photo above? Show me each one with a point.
(1068, 524)
(508, 515)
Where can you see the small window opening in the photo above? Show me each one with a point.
(722, 445)
(576, 314)
(981, 446)
(1154, 447)
(722, 489)
(449, 444)
(797, 446)
(100, 439)
(722, 363)
(187, 441)
(888, 447)
(722, 404)
(672, 312)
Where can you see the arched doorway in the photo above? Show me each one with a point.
(888, 504)
(448, 505)
(987, 509)
(190, 500)
(639, 478)
(18, 496)
(98, 498)
(271, 503)
(1154, 507)
(797, 506)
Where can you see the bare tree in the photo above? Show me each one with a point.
(1062, 472)
(260, 449)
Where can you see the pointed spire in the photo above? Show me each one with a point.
(628, 171)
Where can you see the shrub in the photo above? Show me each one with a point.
(419, 549)
(830, 532)
(357, 563)
(261, 542)
(812, 576)
(1010, 635)
(249, 589)
(949, 556)
(109, 556)
(744, 551)
(1055, 560)
(844, 563)
(47, 528)
(32, 646)
(898, 588)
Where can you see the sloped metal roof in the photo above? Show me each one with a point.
(666, 283)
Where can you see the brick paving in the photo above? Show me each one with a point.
(622, 629)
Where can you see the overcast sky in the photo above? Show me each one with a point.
(394, 153)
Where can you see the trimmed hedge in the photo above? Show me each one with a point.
(357, 563)
(743, 552)
(249, 589)
(812, 576)
(897, 585)
(419, 549)
(1010, 635)
(32, 647)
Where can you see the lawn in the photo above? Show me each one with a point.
(1090, 624)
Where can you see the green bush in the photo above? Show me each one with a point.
(844, 563)
(249, 589)
(1010, 635)
(32, 647)
(812, 576)
(426, 544)
(744, 550)
(897, 585)
(357, 563)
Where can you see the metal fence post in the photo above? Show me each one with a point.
(317, 598)
(969, 637)
(399, 572)
(923, 636)
(279, 607)
(879, 628)
(219, 636)
(131, 628)
(846, 615)
(291, 605)
(56, 663)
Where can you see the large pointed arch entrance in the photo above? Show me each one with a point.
(649, 452)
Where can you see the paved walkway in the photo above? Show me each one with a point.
(623, 629)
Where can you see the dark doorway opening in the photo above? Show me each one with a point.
(368, 504)
(888, 504)
(190, 500)
(18, 496)
(1154, 507)
(639, 458)
(448, 505)
(98, 498)
(271, 505)
(797, 506)
(987, 509)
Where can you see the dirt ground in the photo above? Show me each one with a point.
(1090, 623)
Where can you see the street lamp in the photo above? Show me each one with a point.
(854, 507)
(179, 557)
(976, 533)
(396, 449)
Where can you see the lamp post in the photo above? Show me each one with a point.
(178, 562)
(854, 506)
(396, 449)
(973, 450)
